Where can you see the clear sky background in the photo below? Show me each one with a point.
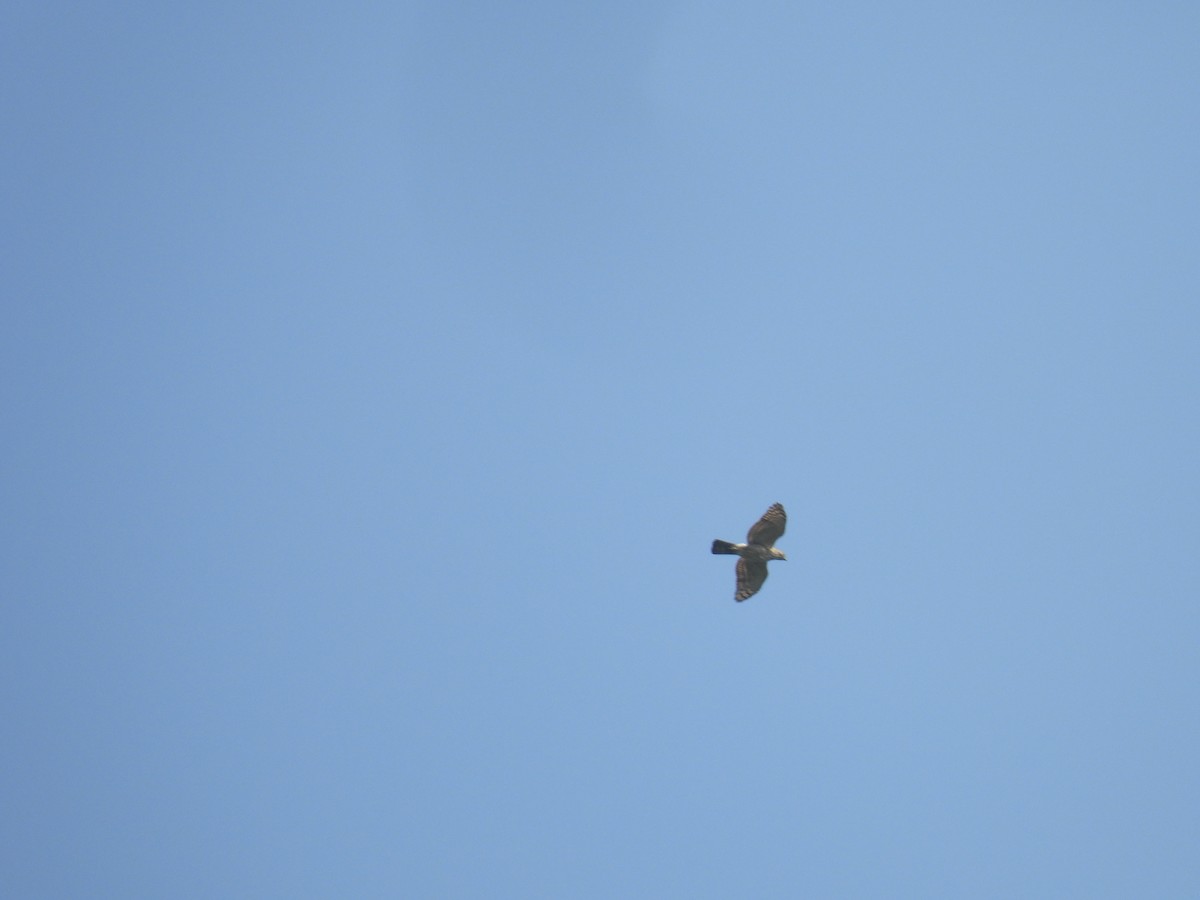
(375, 377)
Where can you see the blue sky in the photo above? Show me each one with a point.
(375, 377)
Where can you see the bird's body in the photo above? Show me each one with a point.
(754, 554)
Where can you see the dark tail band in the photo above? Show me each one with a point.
(723, 547)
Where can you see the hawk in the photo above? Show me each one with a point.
(759, 547)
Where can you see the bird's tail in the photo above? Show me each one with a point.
(724, 547)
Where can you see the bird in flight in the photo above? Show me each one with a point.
(759, 547)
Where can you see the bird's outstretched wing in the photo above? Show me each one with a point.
(769, 528)
(750, 577)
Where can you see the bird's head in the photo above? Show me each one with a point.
(776, 553)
